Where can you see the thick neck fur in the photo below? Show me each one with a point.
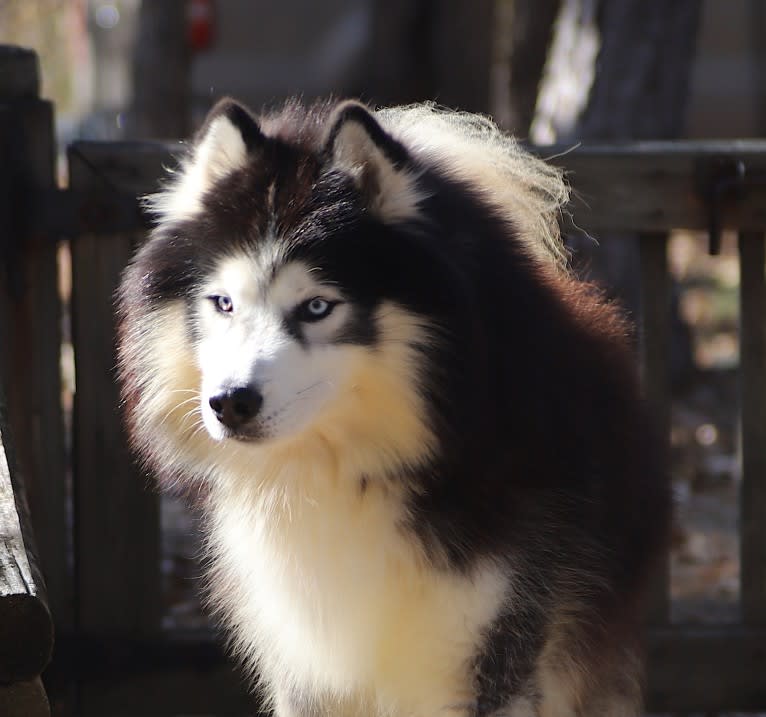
(328, 594)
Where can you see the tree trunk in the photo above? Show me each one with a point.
(639, 91)
(161, 72)
(617, 71)
(400, 66)
(647, 48)
(757, 18)
(432, 49)
(531, 28)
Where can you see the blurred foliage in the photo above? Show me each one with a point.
(55, 29)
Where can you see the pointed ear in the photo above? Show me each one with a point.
(229, 135)
(379, 165)
(226, 138)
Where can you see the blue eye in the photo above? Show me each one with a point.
(223, 303)
(315, 309)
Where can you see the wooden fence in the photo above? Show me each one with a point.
(112, 655)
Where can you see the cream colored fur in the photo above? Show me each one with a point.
(372, 415)
(321, 587)
(529, 192)
(331, 600)
(220, 152)
(396, 195)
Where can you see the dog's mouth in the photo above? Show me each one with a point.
(253, 436)
(248, 432)
(244, 434)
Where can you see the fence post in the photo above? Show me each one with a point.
(30, 315)
(26, 630)
(655, 363)
(752, 256)
(117, 540)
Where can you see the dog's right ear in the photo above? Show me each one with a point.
(226, 141)
(230, 133)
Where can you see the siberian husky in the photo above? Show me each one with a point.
(429, 482)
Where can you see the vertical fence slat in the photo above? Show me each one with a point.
(655, 364)
(30, 309)
(24, 699)
(753, 416)
(116, 511)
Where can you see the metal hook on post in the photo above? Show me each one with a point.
(728, 183)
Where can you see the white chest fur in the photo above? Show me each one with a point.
(330, 598)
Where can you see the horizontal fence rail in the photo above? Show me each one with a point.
(644, 187)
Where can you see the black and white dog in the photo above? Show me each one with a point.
(429, 482)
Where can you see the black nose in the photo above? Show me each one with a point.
(236, 406)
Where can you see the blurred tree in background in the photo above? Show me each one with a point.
(618, 71)
(161, 66)
(51, 27)
(528, 26)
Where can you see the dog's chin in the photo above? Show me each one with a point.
(245, 436)
(260, 432)
(240, 436)
(251, 433)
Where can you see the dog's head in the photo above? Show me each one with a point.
(285, 292)
(329, 276)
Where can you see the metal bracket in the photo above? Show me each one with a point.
(720, 181)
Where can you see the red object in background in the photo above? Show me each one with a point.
(201, 24)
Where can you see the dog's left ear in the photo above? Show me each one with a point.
(379, 165)
(229, 138)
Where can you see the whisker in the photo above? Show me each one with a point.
(299, 397)
(176, 407)
(308, 388)
(191, 413)
(200, 427)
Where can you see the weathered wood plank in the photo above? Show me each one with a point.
(639, 186)
(752, 253)
(660, 186)
(655, 366)
(707, 670)
(116, 512)
(179, 672)
(125, 167)
(30, 310)
(19, 72)
(689, 670)
(24, 699)
(26, 630)
(183, 691)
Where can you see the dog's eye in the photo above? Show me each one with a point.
(223, 303)
(315, 309)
